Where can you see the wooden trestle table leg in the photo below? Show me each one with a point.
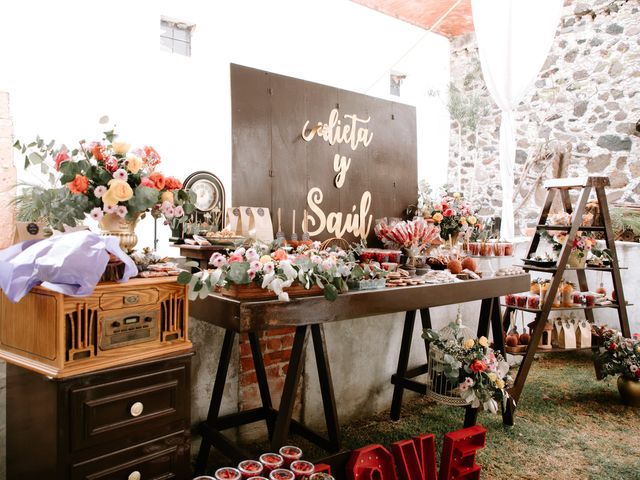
(326, 386)
(403, 362)
(263, 384)
(283, 420)
(216, 401)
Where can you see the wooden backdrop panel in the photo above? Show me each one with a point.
(275, 167)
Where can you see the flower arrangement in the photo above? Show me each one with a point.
(453, 215)
(478, 374)
(273, 270)
(582, 243)
(96, 179)
(620, 356)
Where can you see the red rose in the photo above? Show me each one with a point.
(637, 374)
(478, 366)
(111, 164)
(98, 152)
(613, 346)
(172, 183)
(62, 156)
(445, 205)
(448, 213)
(78, 185)
(147, 182)
(158, 180)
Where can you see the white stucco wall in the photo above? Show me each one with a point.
(65, 64)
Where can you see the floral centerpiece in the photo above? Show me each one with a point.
(273, 270)
(583, 243)
(106, 180)
(477, 373)
(621, 356)
(453, 215)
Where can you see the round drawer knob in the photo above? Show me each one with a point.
(135, 475)
(136, 410)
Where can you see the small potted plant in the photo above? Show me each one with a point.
(621, 356)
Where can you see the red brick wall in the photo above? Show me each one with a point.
(276, 350)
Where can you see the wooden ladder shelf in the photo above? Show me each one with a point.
(563, 187)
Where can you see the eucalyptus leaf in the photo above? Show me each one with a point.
(184, 278)
(35, 158)
(330, 292)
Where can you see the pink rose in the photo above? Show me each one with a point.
(147, 182)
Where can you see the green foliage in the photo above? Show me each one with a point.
(143, 199)
(238, 273)
(467, 108)
(56, 206)
(625, 219)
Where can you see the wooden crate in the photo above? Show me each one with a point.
(59, 335)
(253, 291)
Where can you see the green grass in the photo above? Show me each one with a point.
(568, 426)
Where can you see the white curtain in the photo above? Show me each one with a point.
(514, 38)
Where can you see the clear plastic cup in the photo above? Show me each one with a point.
(271, 461)
(282, 474)
(227, 473)
(250, 468)
(302, 468)
(290, 454)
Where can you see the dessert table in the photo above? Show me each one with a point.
(311, 313)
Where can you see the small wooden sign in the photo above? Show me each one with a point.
(345, 158)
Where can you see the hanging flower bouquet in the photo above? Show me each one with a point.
(479, 375)
(97, 179)
(273, 270)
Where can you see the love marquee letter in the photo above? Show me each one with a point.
(416, 459)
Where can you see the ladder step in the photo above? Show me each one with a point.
(594, 228)
(578, 182)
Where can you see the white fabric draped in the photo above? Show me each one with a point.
(514, 38)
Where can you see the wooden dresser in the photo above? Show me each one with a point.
(98, 387)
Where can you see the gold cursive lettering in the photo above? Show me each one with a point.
(357, 223)
(340, 165)
(333, 132)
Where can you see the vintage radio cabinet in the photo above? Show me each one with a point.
(58, 335)
(98, 387)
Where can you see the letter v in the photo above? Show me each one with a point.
(416, 459)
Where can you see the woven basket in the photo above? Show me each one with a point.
(335, 242)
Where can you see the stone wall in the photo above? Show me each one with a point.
(580, 118)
